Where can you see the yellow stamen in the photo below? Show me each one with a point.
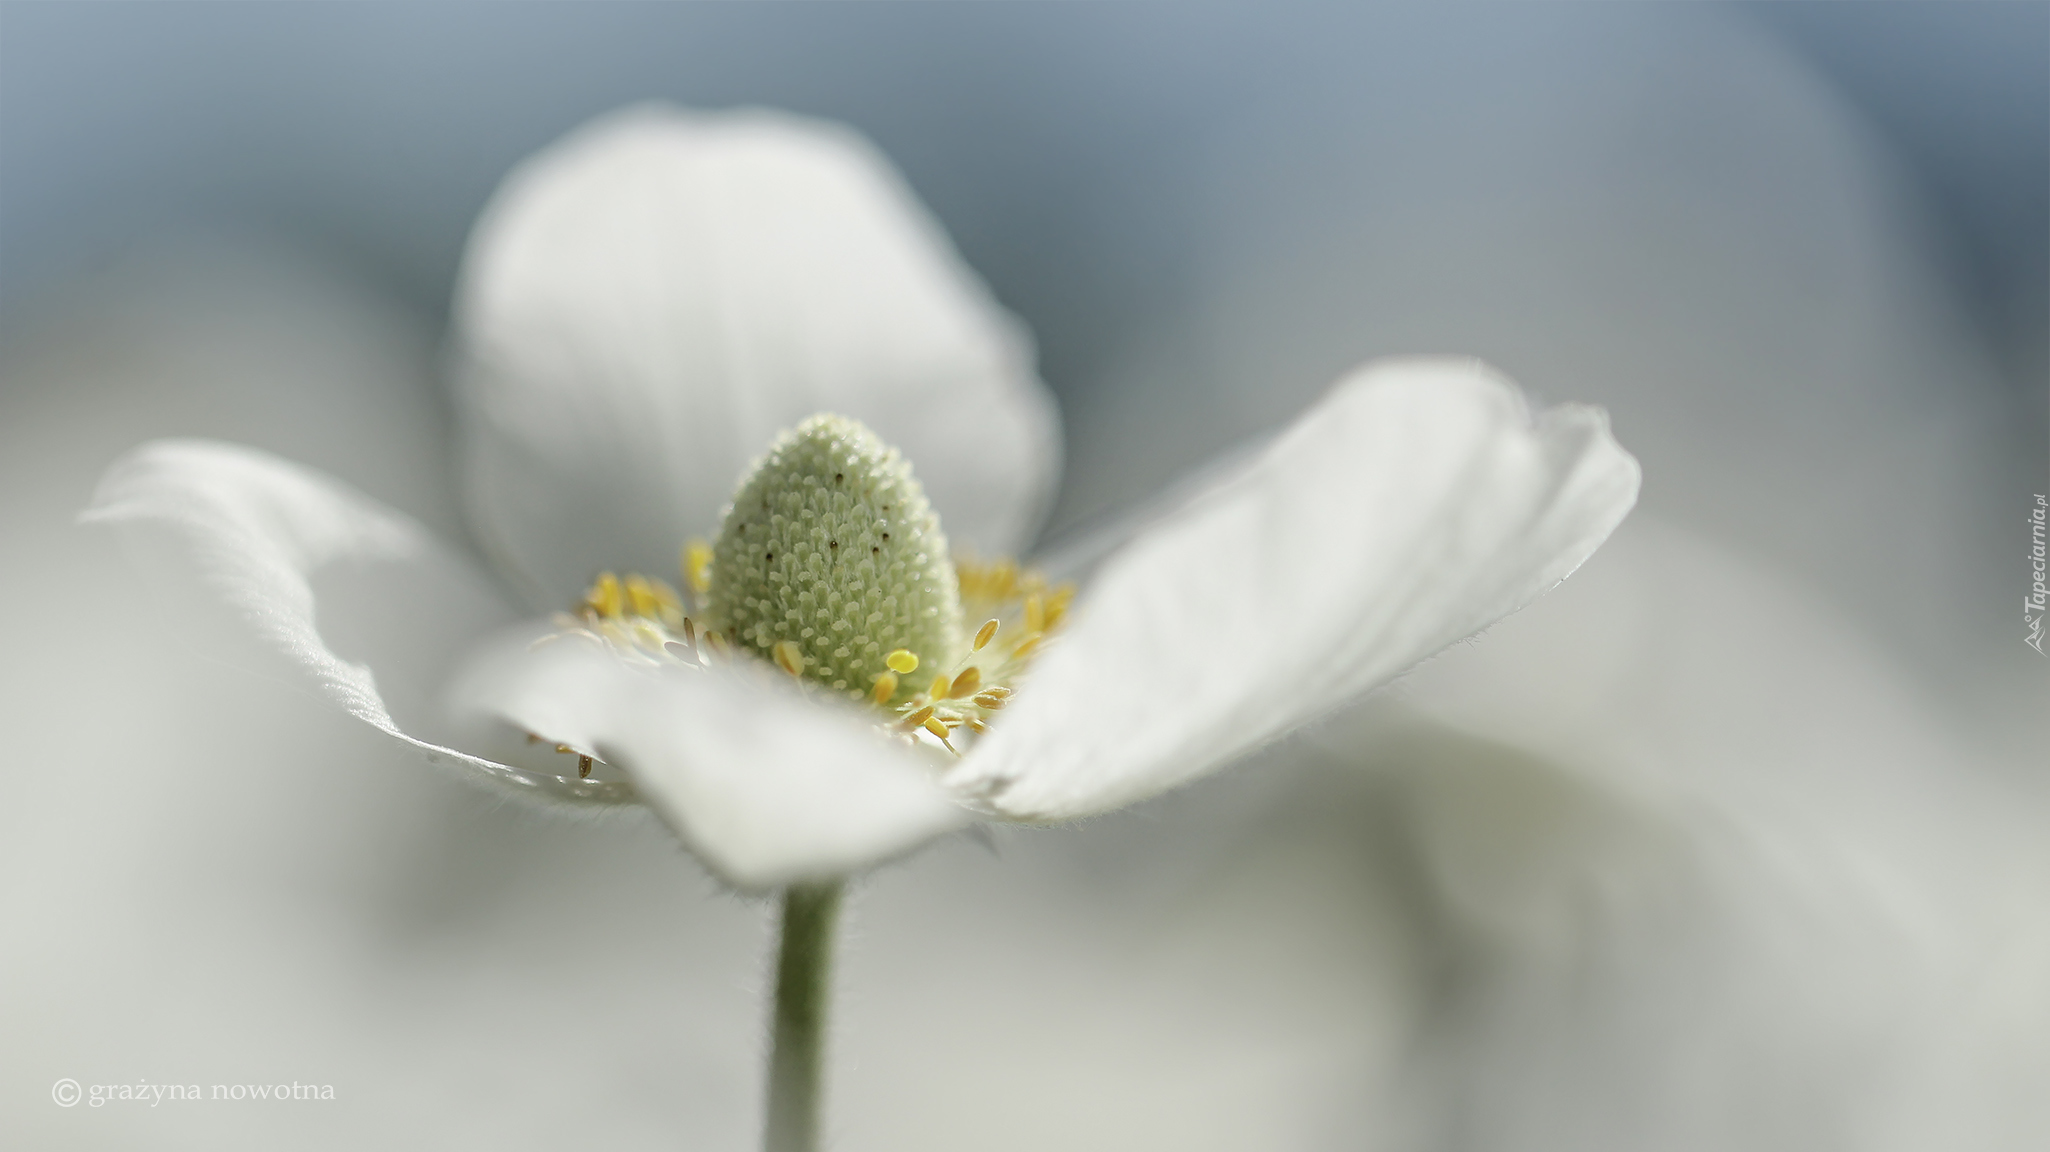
(1057, 605)
(886, 687)
(1026, 647)
(938, 691)
(903, 661)
(919, 717)
(605, 597)
(989, 700)
(933, 725)
(993, 581)
(640, 597)
(985, 634)
(789, 657)
(697, 566)
(966, 683)
(1035, 614)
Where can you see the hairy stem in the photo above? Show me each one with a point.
(804, 976)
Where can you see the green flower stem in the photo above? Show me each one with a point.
(804, 977)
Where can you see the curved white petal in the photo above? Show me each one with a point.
(1413, 506)
(360, 601)
(766, 786)
(645, 304)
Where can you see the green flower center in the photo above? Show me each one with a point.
(831, 564)
(830, 559)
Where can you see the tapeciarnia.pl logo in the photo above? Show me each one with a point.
(2033, 606)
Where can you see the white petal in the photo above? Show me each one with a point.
(765, 785)
(647, 303)
(359, 600)
(1414, 506)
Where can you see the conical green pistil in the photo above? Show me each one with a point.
(830, 544)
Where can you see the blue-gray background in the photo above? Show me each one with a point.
(381, 128)
(1054, 141)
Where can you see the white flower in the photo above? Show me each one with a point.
(643, 308)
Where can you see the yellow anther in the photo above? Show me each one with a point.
(886, 687)
(989, 700)
(1003, 579)
(903, 661)
(1035, 614)
(966, 683)
(605, 596)
(991, 581)
(932, 724)
(715, 644)
(640, 597)
(919, 717)
(1057, 603)
(697, 566)
(1026, 647)
(975, 725)
(938, 691)
(564, 748)
(985, 634)
(789, 657)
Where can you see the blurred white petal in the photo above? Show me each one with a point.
(359, 600)
(1689, 800)
(1414, 506)
(647, 303)
(766, 785)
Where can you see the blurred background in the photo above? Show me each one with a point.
(1734, 841)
